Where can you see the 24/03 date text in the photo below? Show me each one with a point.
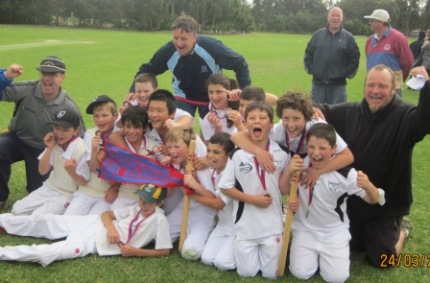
(405, 260)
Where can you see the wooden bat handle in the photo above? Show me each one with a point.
(287, 228)
(186, 207)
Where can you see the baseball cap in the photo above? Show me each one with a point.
(98, 100)
(66, 119)
(52, 64)
(380, 15)
(151, 193)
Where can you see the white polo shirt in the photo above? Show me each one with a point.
(252, 222)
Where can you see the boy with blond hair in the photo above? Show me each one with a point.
(96, 196)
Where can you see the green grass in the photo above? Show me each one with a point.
(105, 62)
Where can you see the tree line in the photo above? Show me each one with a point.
(213, 16)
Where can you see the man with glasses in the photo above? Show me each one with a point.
(36, 102)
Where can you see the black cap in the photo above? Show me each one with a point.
(98, 100)
(66, 119)
(52, 64)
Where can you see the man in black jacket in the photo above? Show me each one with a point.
(381, 132)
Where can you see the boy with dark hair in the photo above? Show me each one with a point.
(119, 232)
(65, 153)
(321, 226)
(257, 197)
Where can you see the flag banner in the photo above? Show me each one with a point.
(123, 166)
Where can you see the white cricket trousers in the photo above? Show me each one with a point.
(218, 250)
(79, 230)
(259, 254)
(327, 251)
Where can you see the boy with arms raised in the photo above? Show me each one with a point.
(119, 232)
(321, 226)
(65, 153)
(257, 198)
(96, 196)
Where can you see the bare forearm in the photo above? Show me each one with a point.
(44, 164)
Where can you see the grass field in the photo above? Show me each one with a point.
(104, 62)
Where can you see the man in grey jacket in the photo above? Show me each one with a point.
(331, 56)
(36, 102)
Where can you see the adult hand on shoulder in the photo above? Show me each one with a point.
(13, 71)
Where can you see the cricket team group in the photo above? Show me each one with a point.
(351, 163)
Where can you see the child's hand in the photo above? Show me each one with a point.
(293, 205)
(235, 116)
(200, 163)
(113, 236)
(265, 160)
(166, 160)
(234, 94)
(49, 140)
(295, 165)
(112, 193)
(163, 149)
(170, 124)
(362, 180)
(95, 142)
(70, 165)
(128, 250)
(190, 181)
(310, 177)
(214, 120)
(262, 200)
(101, 154)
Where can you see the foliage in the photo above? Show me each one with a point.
(216, 16)
(105, 62)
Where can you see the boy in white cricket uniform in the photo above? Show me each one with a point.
(258, 204)
(218, 250)
(119, 232)
(321, 226)
(135, 121)
(65, 153)
(218, 119)
(201, 216)
(96, 196)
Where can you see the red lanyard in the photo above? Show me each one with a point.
(150, 152)
(301, 142)
(310, 194)
(213, 178)
(131, 231)
(213, 110)
(260, 172)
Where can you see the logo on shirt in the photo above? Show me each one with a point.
(387, 46)
(203, 69)
(333, 187)
(245, 167)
